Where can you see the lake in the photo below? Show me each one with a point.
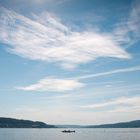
(81, 134)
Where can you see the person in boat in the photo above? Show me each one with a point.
(68, 131)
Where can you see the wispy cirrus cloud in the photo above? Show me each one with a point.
(46, 38)
(65, 84)
(53, 84)
(127, 32)
(123, 70)
(123, 101)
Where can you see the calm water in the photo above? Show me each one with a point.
(81, 134)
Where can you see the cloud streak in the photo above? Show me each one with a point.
(46, 38)
(127, 32)
(123, 101)
(52, 84)
(123, 70)
(61, 85)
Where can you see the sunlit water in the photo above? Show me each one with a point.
(81, 134)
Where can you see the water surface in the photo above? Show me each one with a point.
(81, 134)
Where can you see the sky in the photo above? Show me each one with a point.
(70, 61)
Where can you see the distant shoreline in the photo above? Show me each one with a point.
(20, 123)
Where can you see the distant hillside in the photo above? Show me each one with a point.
(16, 123)
(69, 126)
(131, 124)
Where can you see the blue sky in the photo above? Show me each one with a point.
(70, 61)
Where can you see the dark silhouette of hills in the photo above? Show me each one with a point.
(131, 124)
(16, 123)
(19, 123)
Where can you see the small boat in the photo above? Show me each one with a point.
(68, 131)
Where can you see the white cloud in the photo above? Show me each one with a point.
(59, 85)
(128, 31)
(123, 70)
(45, 38)
(52, 84)
(133, 101)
